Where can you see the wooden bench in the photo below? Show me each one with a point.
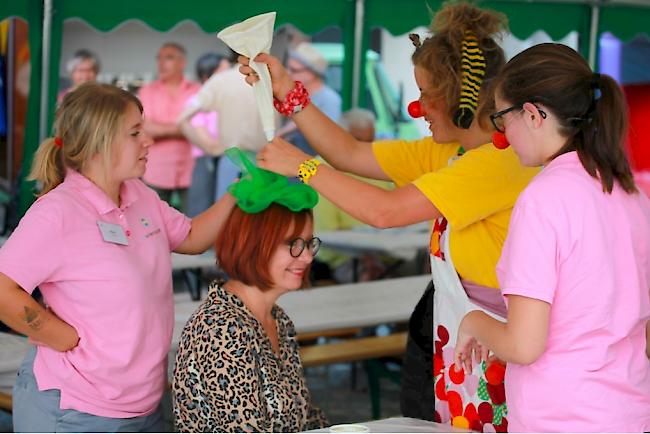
(347, 332)
(353, 350)
(367, 349)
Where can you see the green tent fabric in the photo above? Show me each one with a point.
(624, 21)
(211, 16)
(556, 19)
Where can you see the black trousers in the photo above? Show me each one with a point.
(417, 394)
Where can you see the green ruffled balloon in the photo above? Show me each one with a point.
(259, 188)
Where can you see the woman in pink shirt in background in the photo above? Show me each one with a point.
(575, 268)
(97, 243)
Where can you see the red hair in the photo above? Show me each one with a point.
(248, 241)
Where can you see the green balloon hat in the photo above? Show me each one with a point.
(259, 188)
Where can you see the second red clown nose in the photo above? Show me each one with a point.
(499, 140)
(415, 109)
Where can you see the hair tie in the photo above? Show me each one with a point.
(595, 85)
(595, 81)
(58, 142)
(473, 69)
(415, 39)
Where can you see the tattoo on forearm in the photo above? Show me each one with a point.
(33, 318)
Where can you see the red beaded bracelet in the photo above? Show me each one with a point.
(296, 100)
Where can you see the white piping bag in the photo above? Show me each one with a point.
(250, 38)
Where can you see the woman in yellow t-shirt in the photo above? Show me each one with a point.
(455, 178)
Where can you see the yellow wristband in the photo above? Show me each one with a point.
(307, 169)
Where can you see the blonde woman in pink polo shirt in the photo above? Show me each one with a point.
(97, 243)
(575, 267)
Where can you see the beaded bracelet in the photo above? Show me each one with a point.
(307, 169)
(296, 100)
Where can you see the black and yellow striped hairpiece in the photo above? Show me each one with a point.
(473, 68)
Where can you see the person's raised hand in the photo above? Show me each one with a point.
(281, 157)
(281, 81)
(468, 350)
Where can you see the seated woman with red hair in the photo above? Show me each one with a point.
(238, 367)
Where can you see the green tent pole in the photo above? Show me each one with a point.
(55, 40)
(348, 60)
(594, 33)
(31, 138)
(359, 98)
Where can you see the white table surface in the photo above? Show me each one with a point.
(360, 304)
(403, 424)
(403, 243)
(181, 261)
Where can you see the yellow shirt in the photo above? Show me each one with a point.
(475, 193)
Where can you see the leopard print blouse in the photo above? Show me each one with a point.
(228, 378)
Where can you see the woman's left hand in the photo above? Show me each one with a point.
(281, 157)
(468, 348)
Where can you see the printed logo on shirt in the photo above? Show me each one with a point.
(144, 222)
(152, 233)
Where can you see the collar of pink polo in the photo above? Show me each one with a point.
(96, 196)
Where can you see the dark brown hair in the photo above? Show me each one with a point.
(590, 108)
(440, 54)
(248, 241)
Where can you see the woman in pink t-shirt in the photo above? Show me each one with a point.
(97, 243)
(575, 268)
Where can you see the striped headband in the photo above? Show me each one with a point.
(473, 69)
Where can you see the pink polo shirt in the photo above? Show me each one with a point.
(587, 254)
(119, 298)
(170, 161)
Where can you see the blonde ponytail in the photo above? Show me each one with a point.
(47, 166)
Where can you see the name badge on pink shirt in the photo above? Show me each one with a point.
(112, 233)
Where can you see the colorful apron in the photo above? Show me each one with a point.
(475, 401)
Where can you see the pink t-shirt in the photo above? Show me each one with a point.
(170, 161)
(587, 254)
(119, 298)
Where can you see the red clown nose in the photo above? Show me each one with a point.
(499, 140)
(415, 109)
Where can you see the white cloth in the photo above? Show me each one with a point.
(250, 38)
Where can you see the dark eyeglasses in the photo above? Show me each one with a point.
(297, 246)
(498, 121)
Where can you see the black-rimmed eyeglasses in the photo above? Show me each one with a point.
(498, 121)
(297, 246)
